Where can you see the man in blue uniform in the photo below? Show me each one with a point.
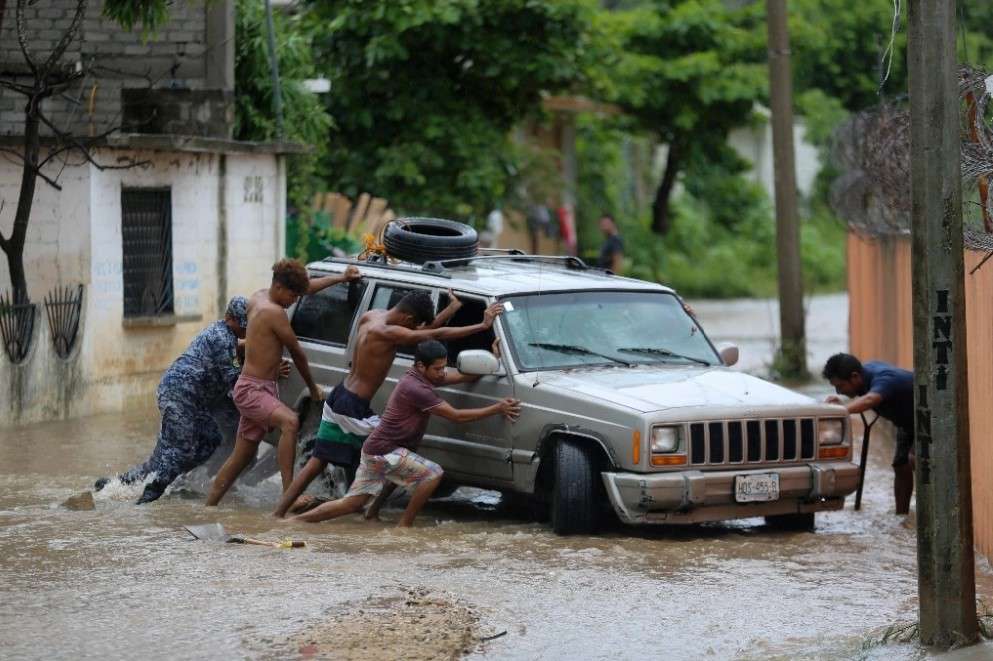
(889, 391)
(193, 392)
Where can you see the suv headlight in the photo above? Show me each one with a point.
(666, 439)
(830, 431)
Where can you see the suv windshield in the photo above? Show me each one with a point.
(551, 331)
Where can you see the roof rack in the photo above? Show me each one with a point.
(505, 251)
(380, 263)
(441, 265)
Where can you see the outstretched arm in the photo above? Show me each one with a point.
(404, 336)
(317, 284)
(508, 408)
(445, 315)
(870, 400)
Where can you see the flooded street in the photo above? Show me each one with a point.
(123, 581)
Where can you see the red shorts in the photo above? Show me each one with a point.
(256, 399)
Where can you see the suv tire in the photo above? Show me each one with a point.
(804, 522)
(422, 240)
(574, 506)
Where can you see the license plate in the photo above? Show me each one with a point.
(760, 487)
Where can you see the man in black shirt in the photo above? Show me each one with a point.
(612, 252)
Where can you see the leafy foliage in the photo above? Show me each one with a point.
(425, 94)
(305, 119)
(687, 71)
(150, 14)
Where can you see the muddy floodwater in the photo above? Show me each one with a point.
(122, 581)
(472, 578)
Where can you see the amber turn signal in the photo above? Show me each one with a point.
(668, 459)
(834, 452)
(636, 447)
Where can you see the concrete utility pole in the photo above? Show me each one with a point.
(793, 348)
(945, 562)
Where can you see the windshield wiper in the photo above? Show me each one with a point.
(573, 348)
(655, 351)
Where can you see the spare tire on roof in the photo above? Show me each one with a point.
(422, 240)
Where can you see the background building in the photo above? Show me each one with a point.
(157, 248)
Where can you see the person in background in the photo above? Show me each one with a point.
(192, 395)
(889, 391)
(389, 453)
(612, 251)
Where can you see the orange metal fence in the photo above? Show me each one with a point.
(881, 328)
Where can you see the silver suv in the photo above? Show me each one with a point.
(625, 401)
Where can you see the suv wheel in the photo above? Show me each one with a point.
(791, 521)
(574, 507)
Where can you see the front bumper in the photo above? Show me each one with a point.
(693, 496)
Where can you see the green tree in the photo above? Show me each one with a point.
(425, 93)
(305, 119)
(687, 71)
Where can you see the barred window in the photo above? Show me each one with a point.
(146, 237)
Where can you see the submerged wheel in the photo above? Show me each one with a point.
(791, 521)
(422, 240)
(574, 506)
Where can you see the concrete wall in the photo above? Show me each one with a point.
(755, 144)
(75, 236)
(881, 327)
(193, 50)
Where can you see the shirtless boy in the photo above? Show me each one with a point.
(255, 394)
(348, 419)
(389, 454)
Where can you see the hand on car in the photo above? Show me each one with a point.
(491, 314)
(352, 273)
(284, 368)
(834, 399)
(453, 301)
(495, 349)
(510, 408)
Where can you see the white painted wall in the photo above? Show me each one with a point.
(75, 236)
(755, 144)
(255, 200)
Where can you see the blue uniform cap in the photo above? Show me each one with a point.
(238, 308)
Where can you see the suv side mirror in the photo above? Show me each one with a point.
(478, 362)
(728, 353)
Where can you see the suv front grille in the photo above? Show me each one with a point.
(752, 441)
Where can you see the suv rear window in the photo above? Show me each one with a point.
(327, 315)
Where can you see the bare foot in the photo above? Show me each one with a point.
(301, 504)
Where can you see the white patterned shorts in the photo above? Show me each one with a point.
(401, 467)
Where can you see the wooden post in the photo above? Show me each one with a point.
(945, 562)
(793, 347)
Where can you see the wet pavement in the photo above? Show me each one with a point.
(123, 581)
(753, 325)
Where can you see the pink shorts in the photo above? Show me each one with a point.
(256, 399)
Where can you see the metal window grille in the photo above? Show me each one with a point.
(63, 305)
(146, 233)
(16, 326)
